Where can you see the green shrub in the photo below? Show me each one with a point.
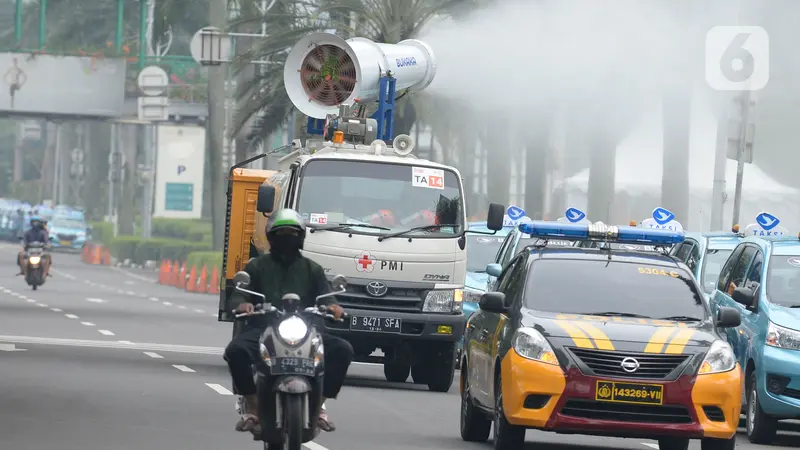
(124, 247)
(140, 250)
(184, 229)
(102, 232)
(207, 259)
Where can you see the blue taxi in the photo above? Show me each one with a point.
(705, 253)
(761, 279)
(481, 249)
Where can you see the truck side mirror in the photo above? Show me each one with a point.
(494, 219)
(266, 199)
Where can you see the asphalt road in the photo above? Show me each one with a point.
(101, 358)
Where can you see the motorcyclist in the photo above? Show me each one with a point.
(281, 271)
(37, 233)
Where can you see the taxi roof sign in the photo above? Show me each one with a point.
(662, 219)
(766, 225)
(600, 232)
(573, 215)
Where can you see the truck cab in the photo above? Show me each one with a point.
(395, 226)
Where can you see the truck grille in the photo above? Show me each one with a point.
(621, 412)
(397, 299)
(609, 363)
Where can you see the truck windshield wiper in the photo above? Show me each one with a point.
(344, 226)
(617, 314)
(681, 319)
(420, 228)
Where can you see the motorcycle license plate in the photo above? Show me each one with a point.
(376, 324)
(292, 366)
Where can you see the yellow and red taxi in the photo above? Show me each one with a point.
(599, 341)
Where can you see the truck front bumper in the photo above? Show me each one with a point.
(413, 327)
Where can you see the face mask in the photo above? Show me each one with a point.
(285, 245)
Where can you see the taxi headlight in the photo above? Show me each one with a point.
(530, 344)
(292, 330)
(720, 358)
(781, 337)
(34, 259)
(472, 295)
(443, 301)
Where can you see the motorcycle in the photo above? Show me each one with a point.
(34, 258)
(289, 374)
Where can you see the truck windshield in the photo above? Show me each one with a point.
(393, 196)
(585, 287)
(783, 281)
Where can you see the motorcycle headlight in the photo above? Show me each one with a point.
(781, 337)
(292, 330)
(530, 344)
(444, 301)
(34, 259)
(720, 358)
(472, 295)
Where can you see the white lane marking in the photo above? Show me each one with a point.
(314, 446)
(191, 349)
(199, 311)
(181, 307)
(153, 355)
(11, 348)
(88, 324)
(106, 332)
(153, 299)
(56, 310)
(41, 305)
(133, 275)
(126, 342)
(129, 282)
(96, 300)
(183, 368)
(30, 300)
(89, 343)
(130, 292)
(70, 316)
(219, 389)
(650, 444)
(167, 303)
(120, 292)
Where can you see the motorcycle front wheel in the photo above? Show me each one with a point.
(293, 421)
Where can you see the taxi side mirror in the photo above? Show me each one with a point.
(494, 302)
(495, 216)
(744, 296)
(494, 270)
(266, 199)
(728, 317)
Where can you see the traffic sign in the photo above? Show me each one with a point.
(210, 46)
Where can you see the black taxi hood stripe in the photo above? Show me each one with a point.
(621, 333)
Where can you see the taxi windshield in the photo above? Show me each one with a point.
(586, 287)
(783, 280)
(390, 197)
(712, 266)
(481, 250)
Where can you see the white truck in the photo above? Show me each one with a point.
(395, 226)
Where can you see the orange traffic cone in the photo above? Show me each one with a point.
(106, 261)
(97, 255)
(173, 279)
(191, 282)
(202, 281)
(85, 252)
(182, 277)
(165, 272)
(213, 286)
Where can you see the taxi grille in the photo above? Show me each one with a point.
(652, 366)
(621, 412)
(66, 237)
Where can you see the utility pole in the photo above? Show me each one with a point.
(741, 148)
(217, 17)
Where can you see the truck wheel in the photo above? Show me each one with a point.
(441, 367)
(761, 428)
(396, 372)
(419, 373)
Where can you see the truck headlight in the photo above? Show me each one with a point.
(781, 337)
(530, 344)
(292, 330)
(720, 358)
(472, 295)
(444, 301)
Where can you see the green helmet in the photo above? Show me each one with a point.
(286, 218)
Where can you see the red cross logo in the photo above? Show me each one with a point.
(364, 262)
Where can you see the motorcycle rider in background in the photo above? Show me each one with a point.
(283, 270)
(37, 233)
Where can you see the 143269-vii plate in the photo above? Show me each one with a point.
(636, 393)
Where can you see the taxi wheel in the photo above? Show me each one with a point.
(718, 444)
(396, 372)
(475, 425)
(506, 436)
(761, 428)
(673, 444)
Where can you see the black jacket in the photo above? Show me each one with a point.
(35, 235)
(275, 278)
